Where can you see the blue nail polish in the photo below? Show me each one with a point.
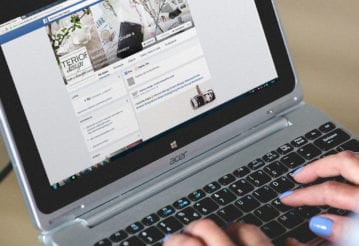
(297, 171)
(166, 237)
(321, 226)
(285, 194)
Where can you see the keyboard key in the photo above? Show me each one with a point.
(169, 225)
(298, 142)
(134, 228)
(282, 185)
(290, 219)
(188, 215)
(241, 172)
(280, 206)
(292, 160)
(196, 195)
(302, 233)
(181, 203)
(337, 211)
(327, 127)
(250, 219)
(133, 241)
(118, 236)
(151, 235)
(212, 187)
(256, 164)
(265, 194)
(229, 213)
(227, 179)
(331, 152)
(352, 145)
(217, 220)
(273, 229)
(266, 212)
(275, 169)
(332, 140)
(206, 206)
(307, 212)
(258, 178)
(285, 149)
(241, 187)
(247, 203)
(314, 134)
(271, 156)
(103, 242)
(309, 151)
(150, 219)
(166, 211)
(223, 197)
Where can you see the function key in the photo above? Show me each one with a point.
(103, 242)
(241, 172)
(181, 203)
(212, 187)
(150, 219)
(332, 140)
(134, 228)
(285, 149)
(166, 211)
(327, 127)
(196, 195)
(256, 164)
(298, 142)
(118, 236)
(271, 156)
(227, 179)
(314, 134)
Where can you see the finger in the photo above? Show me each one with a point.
(247, 235)
(330, 193)
(209, 233)
(345, 164)
(182, 240)
(331, 227)
(293, 242)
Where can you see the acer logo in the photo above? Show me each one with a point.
(178, 158)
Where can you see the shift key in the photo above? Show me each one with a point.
(332, 139)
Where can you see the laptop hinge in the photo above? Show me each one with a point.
(196, 165)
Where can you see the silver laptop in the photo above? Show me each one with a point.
(128, 119)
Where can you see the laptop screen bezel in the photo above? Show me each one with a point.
(49, 200)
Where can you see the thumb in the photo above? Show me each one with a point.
(331, 227)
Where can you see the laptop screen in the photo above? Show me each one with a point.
(111, 86)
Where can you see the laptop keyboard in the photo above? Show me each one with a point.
(248, 194)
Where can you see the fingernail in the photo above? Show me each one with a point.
(285, 194)
(321, 226)
(297, 171)
(166, 237)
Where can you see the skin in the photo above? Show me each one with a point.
(344, 196)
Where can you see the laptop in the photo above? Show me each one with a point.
(128, 119)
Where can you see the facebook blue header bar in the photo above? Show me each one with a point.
(45, 20)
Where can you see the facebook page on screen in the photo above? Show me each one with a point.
(104, 76)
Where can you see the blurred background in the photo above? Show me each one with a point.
(323, 37)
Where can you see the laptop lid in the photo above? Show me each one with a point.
(98, 97)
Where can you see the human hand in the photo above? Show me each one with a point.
(331, 193)
(207, 233)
